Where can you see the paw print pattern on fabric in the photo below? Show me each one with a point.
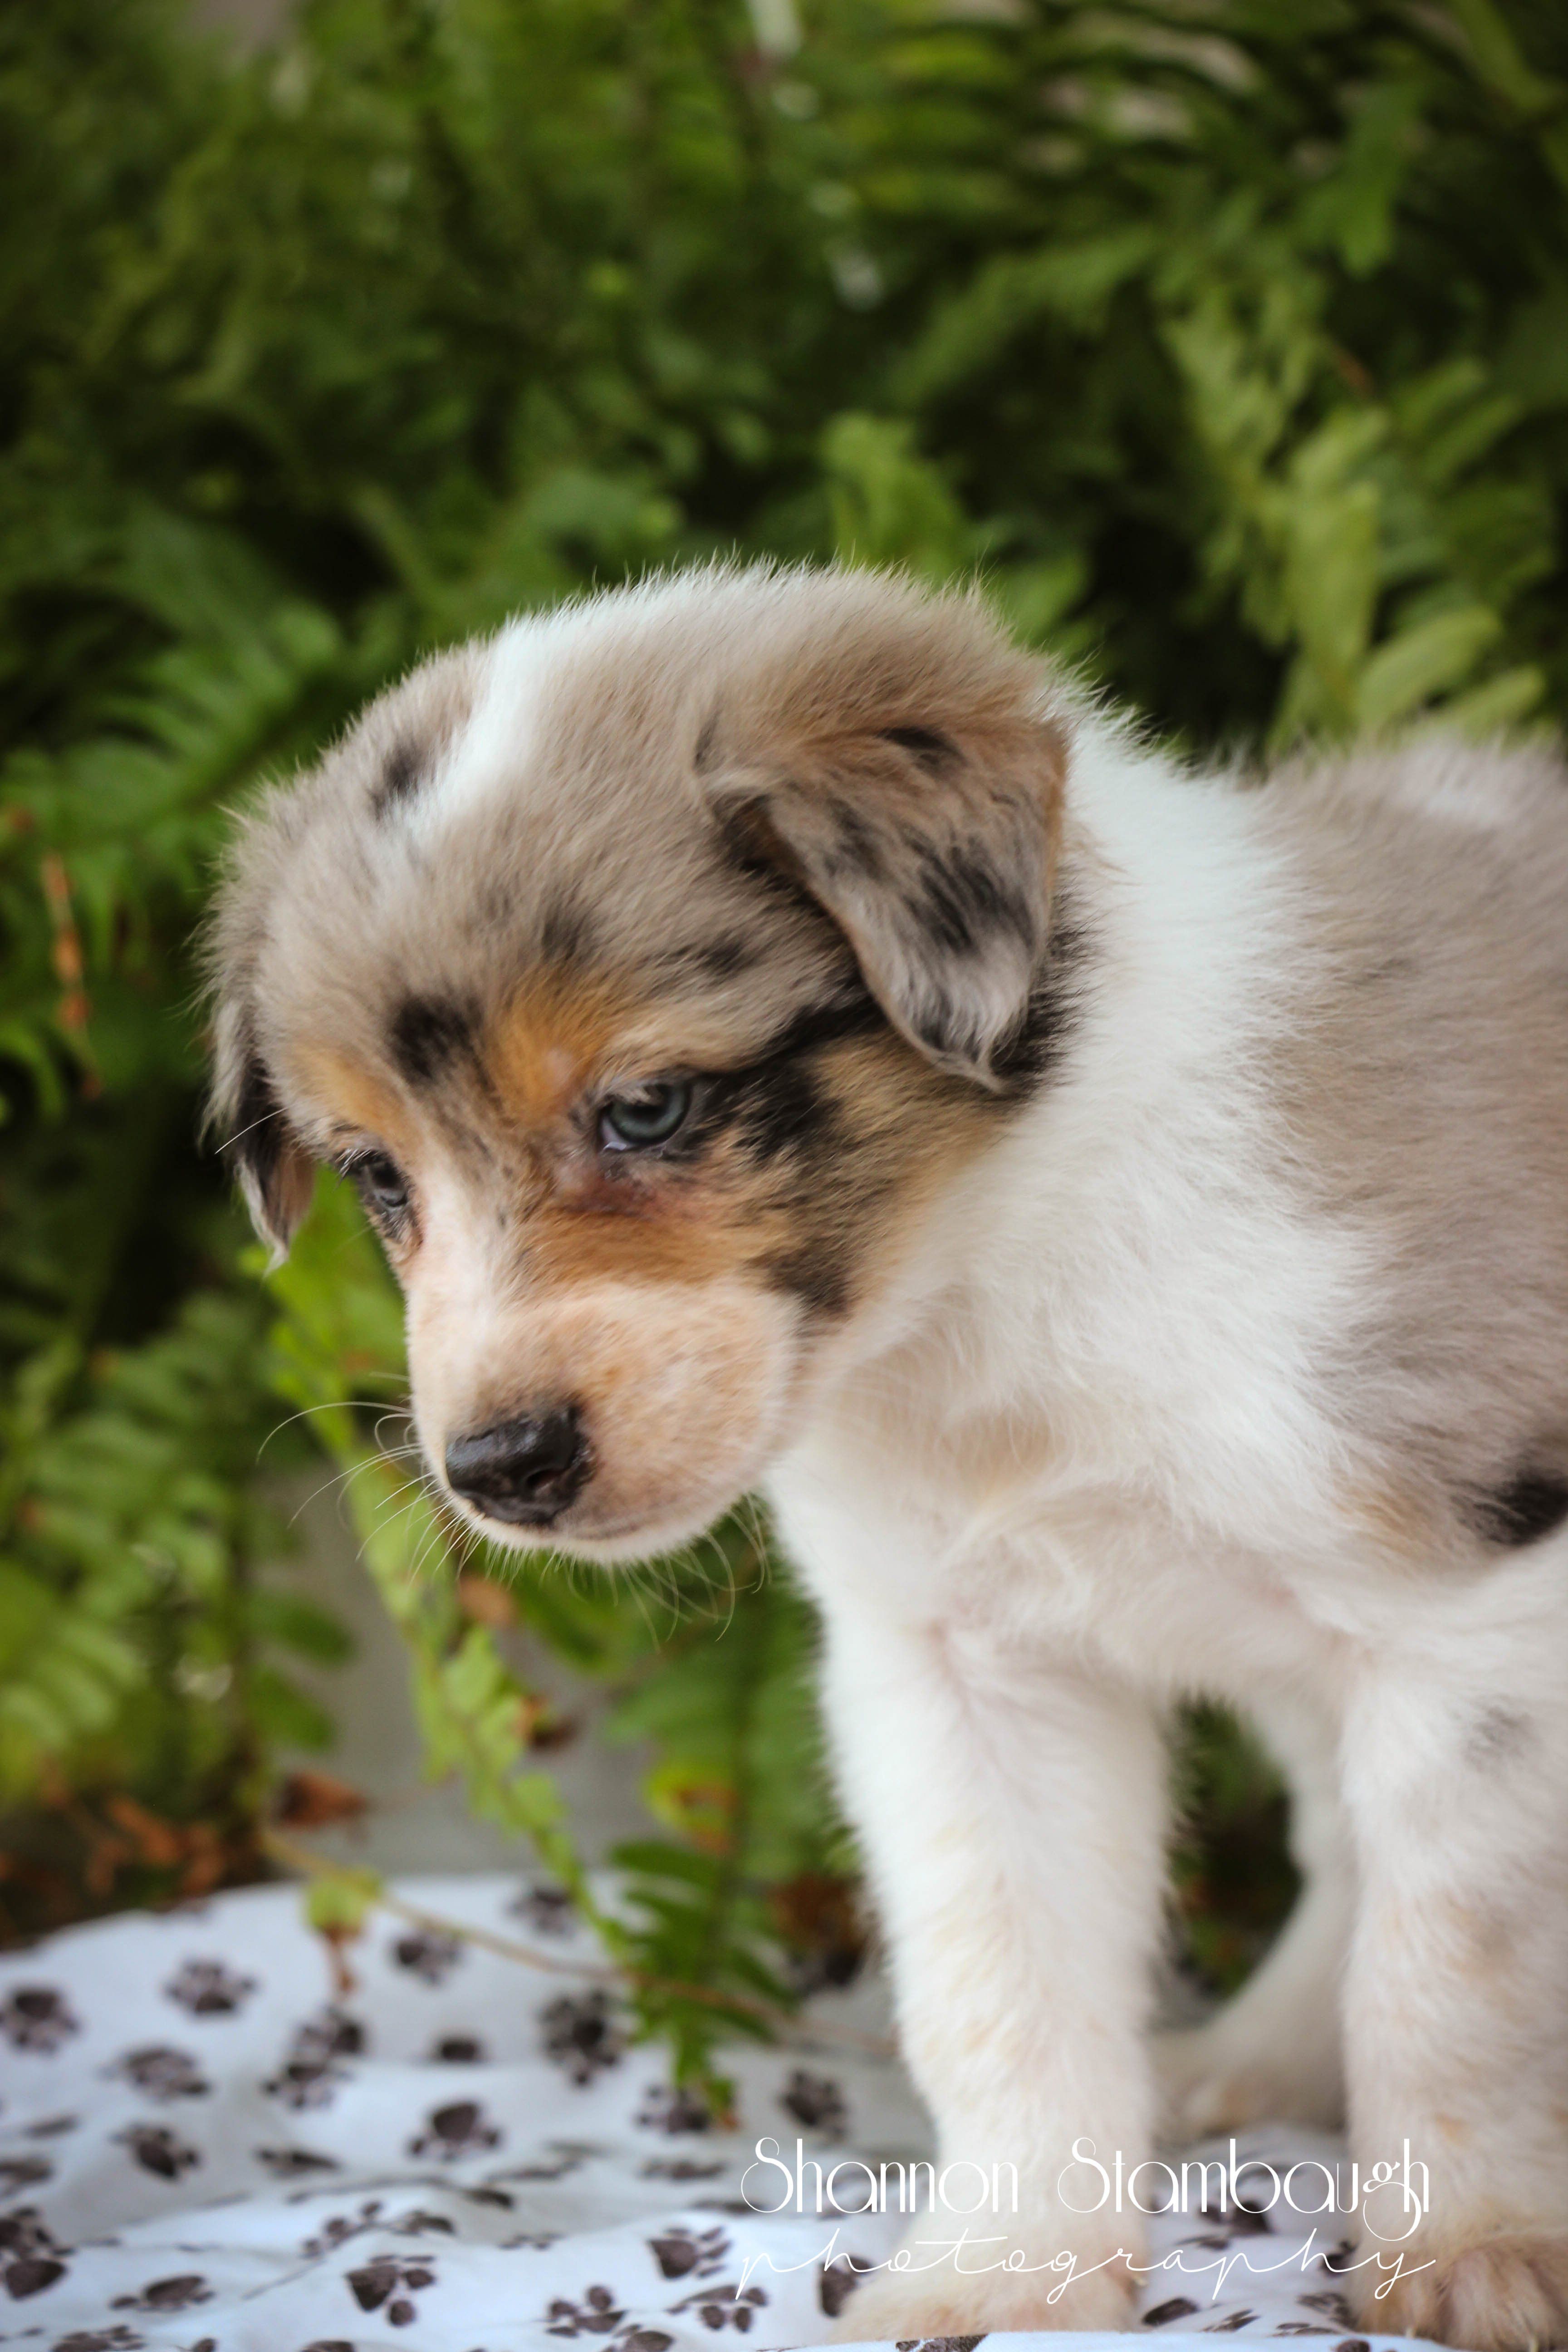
(180, 2293)
(294, 2163)
(384, 2285)
(458, 2050)
(339, 2228)
(1247, 2221)
(840, 2279)
(161, 2073)
(546, 1909)
(582, 2035)
(668, 2108)
(1331, 2303)
(462, 2129)
(598, 2314)
(683, 2254)
(429, 1956)
(392, 2215)
(30, 2260)
(19, 2172)
(725, 2306)
(940, 2344)
(158, 2150)
(565, 2157)
(209, 1989)
(311, 2074)
(816, 2102)
(39, 2019)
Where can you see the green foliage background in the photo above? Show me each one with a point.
(1227, 338)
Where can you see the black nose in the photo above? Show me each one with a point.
(524, 1471)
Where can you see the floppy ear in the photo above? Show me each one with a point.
(271, 1165)
(911, 780)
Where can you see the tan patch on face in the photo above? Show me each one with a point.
(342, 1091)
(557, 1032)
(695, 1234)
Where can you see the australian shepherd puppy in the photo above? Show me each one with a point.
(789, 1039)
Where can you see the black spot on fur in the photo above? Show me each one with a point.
(856, 1014)
(706, 960)
(964, 902)
(402, 773)
(566, 932)
(1032, 1054)
(260, 1145)
(781, 1108)
(258, 1132)
(857, 845)
(706, 743)
(428, 1034)
(720, 959)
(934, 1023)
(755, 850)
(1530, 1507)
(935, 754)
(1496, 1736)
(813, 1274)
(723, 958)
(777, 1102)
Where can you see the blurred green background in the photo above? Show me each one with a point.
(1227, 340)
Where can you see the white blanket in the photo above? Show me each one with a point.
(203, 2150)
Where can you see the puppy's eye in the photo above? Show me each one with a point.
(634, 1122)
(383, 1186)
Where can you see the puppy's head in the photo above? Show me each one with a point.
(648, 968)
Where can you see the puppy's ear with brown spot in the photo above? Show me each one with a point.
(264, 1155)
(913, 787)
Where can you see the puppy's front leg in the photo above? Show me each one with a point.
(1457, 1998)
(1011, 1816)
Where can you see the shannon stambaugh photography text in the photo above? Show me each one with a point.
(1390, 2197)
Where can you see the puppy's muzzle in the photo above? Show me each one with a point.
(526, 1471)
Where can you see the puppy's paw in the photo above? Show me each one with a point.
(915, 2306)
(1211, 2081)
(1503, 2294)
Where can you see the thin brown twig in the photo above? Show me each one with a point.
(299, 1858)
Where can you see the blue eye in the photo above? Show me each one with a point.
(383, 1186)
(634, 1122)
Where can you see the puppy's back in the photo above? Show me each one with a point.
(1423, 1093)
